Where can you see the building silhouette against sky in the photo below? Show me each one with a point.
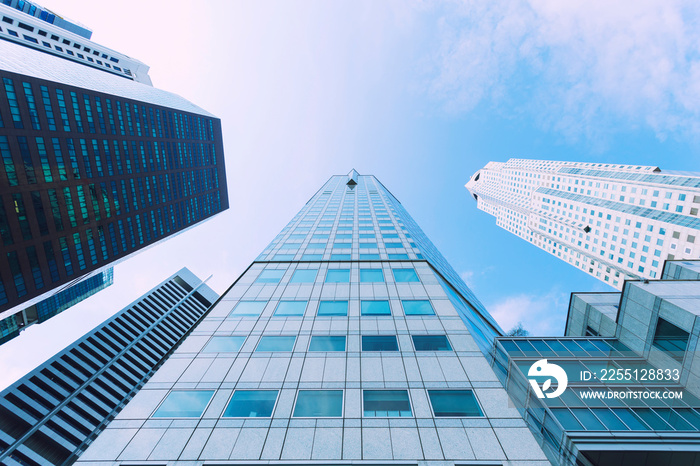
(96, 163)
(349, 339)
(51, 415)
(611, 221)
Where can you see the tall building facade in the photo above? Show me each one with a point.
(52, 414)
(348, 341)
(612, 221)
(96, 164)
(56, 303)
(633, 391)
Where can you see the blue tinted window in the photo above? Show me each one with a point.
(340, 257)
(368, 245)
(251, 403)
(270, 276)
(312, 257)
(398, 256)
(291, 308)
(327, 343)
(304, 276)
(405, 275)
(342, 245)
(375, 308)
(184, 403)
(386, 403)
(316, 246)
(431, 343)
(379, 343)
(338, 276)
(319, 403)
(369, 257)
(248, 308)
(284, 257)
(454, 403)
(371, 275)
(333, 308)
(367, 236)
(393, 245)
(276, 343)
(224, 344)
(417, 307)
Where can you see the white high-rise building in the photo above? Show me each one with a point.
(611, 221)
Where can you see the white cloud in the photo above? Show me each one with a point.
(541, 315)
(576, 66)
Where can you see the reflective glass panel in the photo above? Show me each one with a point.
(184, 403)
(454, 403)
(327, 343)
(251, 403)
(319, 403)
(417, 307)
(386, 403)
(276, 343)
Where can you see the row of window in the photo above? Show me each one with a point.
(86, 113)
(318, 403)
(75, 251)
(326, 343)
(411, 307)
(62, 159)
(273, 276)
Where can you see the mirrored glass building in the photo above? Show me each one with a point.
(349, 340)
(95, 163)
(612, 221)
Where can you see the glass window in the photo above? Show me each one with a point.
(224, 344)
(248, 308)
(312, 257)
(319, 403)
(386, 403)
(398, 256)
(371, 276)
(251, 403)
(405, 275)
(276, 343)
(454, 403)
(338, 276)
(375, 308)
(393, 245)
(327, 343)
(417, 307)
(184, 403)
(270, 276)
(379, 343)
(284, 257)
(341, 257)
(431, 343)
(333, 308)
(369, 257)
(291, 308)
(671, 339)
(304, 276)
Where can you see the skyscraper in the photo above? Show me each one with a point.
(611, 221)
(96, 163)
(633, 390)
(51, 415)
(349, 339)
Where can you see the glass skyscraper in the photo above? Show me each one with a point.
(611, 221)
(95, 163)
(349, 340)
(52, 414)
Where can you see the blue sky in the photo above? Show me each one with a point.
(420, 94)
